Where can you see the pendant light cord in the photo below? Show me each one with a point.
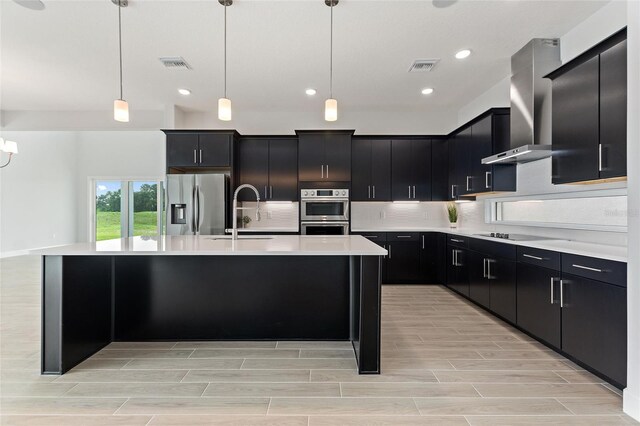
(225, 50)
(120, 43)
(331, 56)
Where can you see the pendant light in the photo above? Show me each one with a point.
(331, 105)
(224, 103)
(120, 106)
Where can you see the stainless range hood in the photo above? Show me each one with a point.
(530, 102)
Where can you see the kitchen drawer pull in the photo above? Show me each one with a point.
(457, 241)
(587, 268)
(370, 236)
(403, 236)
(374, 191)
(532, 256)
(423, 242)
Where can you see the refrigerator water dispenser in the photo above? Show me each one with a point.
(178, 214)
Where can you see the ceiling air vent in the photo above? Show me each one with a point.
(175, 62)
(423, 65)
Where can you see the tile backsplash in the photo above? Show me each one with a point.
(387, 215)
(274, 215)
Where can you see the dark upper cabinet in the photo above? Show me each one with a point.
(324, 156)
(575, 129)
(594, 325)
(411, 169)
(271, 166)
(254, 167)
(439, 170)
(371, 170)
(199, 149)
(214, 150)
(538, 307)
(613, 111)
(483, 137)
(283, 169)
(589, 113)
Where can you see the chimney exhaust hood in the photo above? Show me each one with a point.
(530, 102)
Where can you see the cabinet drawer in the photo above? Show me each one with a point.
(607, 271)
(458, 241)
(403, 236)
(376, 237)
(538, 257)
(494, 249)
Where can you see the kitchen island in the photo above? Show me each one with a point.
(174, 288)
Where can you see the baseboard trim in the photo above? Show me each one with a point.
(631, 404)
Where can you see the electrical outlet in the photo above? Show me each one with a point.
(269, 215)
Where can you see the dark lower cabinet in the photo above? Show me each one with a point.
(537, 302)
(457, 270)
(594, 325)
(403, 262)
(441, 258)
(501, 273)
(479, 285)
(429, 257)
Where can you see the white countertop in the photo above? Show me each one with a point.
(212, 245)
(601, 251)
(267, 230)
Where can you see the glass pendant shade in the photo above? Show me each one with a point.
(10, 147)
(224, 109)
(331, 110)
(121, 110)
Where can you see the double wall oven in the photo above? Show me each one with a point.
(324, 211)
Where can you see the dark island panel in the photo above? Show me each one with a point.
(231, 298)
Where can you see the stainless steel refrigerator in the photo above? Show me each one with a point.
(196, 204)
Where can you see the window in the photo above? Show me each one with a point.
(604, 211)
(124, 208)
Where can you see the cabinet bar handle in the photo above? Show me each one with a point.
(489, 262)
(409, 191)
(414, 192)
(531, 256)
(562, 293)
(327, 171)
(452, 195)
(370, 236)
(369, 191)
(322, 171)
(552, 281)
(265, 192)
(270, 191)
(587, 268)
(484, 268)
(389, 251)
(457, 241)
(468, 189)
(404, 236)
(195, 158)
(487, 185)
(423, 242)
(374, 191)
(200, 156)
(599, 157)
(453, 257)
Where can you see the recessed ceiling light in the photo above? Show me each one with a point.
(464, 53)
(427, 91)
(310, 92)
(184, 92)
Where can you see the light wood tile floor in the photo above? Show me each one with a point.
(444, 361)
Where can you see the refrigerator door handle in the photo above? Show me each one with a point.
(193, 210)
(198, 212)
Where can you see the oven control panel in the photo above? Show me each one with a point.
(324, 193)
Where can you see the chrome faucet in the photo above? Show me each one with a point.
(234, 231)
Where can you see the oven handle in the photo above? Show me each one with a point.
(346, 211)
(327, 223)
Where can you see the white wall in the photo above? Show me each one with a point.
(496, 96)
(115, 154)
(632, 392)
(37, 192)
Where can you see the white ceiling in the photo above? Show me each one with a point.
(65, 57)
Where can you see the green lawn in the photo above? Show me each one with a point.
(108, 224)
